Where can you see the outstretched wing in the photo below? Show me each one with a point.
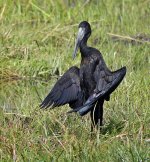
(106, 84)
(66, 90)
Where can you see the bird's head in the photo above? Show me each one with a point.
(83, 34)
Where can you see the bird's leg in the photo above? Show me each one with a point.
(92, 120)
(97, 115)
(101, 115)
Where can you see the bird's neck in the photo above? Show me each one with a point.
(83, 47)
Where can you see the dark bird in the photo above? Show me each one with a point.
(85, 89)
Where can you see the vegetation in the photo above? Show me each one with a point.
(36, 44)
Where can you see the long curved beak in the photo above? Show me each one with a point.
(80, 36)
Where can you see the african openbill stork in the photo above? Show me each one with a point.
(85, 89)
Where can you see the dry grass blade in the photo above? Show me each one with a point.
(17, 114)
(128, 38)
(2, 13)
(38, 8)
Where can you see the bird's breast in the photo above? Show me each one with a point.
(87, 80)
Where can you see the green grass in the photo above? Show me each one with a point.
(36, 41)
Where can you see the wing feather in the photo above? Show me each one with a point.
(104, 89)
(66, 90)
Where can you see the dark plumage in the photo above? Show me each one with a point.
(87, 88)
(66, 90)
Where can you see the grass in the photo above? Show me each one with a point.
(36, 43)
